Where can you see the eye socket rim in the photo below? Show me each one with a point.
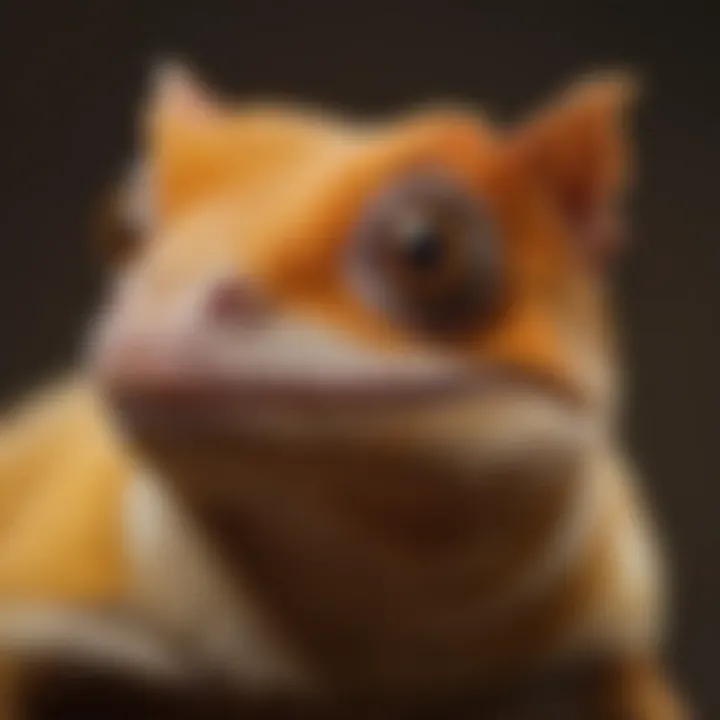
(478, 297)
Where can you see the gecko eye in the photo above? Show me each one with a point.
(426, 253)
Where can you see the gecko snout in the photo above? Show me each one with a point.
(236, 301)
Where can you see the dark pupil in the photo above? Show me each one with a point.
(423, 247)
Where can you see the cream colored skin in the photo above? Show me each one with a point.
(363, 477)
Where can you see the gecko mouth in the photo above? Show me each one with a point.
(185, 380)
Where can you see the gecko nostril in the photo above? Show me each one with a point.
(236, 301)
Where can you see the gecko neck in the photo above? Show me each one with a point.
(380, 569)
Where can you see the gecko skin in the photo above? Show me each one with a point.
(346, 427)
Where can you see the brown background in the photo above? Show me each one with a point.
(71, 76)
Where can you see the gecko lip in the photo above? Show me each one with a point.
(303, 408)
(183, 377)
(204, 389)
(184, 402)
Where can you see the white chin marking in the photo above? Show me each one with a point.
(196, 601)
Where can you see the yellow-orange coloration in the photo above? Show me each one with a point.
(61, 529)
(450, 545)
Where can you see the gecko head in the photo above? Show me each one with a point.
(431, 285)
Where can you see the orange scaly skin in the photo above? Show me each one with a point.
(370, 507)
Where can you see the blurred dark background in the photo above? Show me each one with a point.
(72, 74)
